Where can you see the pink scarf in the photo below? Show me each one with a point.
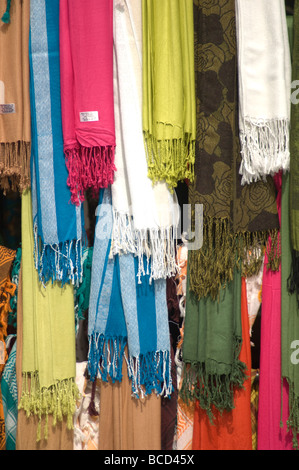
(270, 435)
(86, 57)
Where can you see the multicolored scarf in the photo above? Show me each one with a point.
(264, 80)
(86, 58)
(48, 348)
(169, 115)
(146, 217)
(7, 290)
(15, 138)
(235, 217)
(9, 392)
(57, 224)
(123, 312)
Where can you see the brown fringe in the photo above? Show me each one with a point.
(15, 166)
(212, 267)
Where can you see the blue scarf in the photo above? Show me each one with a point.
(123, 313)
(58, 225)
(9, 392)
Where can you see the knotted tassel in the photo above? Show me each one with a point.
(6, 17)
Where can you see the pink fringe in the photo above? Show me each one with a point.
(89, 167)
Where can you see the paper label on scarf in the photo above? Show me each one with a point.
(89, 116)
(7, 108)
(2, 353)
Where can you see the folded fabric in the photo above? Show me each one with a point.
(15, 138)
(212, 343)
(48, 347)
(145, 216)
(169, 116)
(86, 58)
(123, 312)
(235, 217)
(57, 224)
(264, 88)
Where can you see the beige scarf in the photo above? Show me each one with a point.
(14, 97)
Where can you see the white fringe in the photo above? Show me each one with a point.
(158, 245)
(264, 148)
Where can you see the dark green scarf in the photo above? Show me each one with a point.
(211, 348)
(236, 218)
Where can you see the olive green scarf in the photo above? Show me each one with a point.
(169, 118)
(236, 218)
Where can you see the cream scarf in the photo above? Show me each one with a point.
(145, 216)
(264, 66)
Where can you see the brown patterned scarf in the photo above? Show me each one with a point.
(7, 289)
(14, 97)
(235, 217)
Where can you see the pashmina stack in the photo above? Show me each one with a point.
(48, 344)
(57, 224)
(145, 217)
(211, 348)
(264, 88)
(169, 117)
(86, 58)
(7, 290)
(235, 218)
(123, 312)
(15, 135)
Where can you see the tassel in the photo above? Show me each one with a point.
(6, 17)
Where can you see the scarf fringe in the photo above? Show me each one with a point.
(89, 167)
(59, 400)
(203, 382)
(293, 280)
(15, 166)
(264, 148)
(58, 262)
(212, 267)
(149, 372)
(293, 420)
(170, 160)
(157, 244)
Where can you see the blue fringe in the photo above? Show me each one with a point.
(60, 262)
(148, 373)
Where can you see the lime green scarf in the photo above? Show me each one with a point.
(169, 116)
(48, 356)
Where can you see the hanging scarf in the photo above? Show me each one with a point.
(57, 223)
(48, 349)
(86, 58)
(9, 392)
(123, 312)
(7, 290)
(211, 348)
(264, 88)
(169, 119)
(294, 165)
(271, 435)
(145, 217)
(235, 217)
(231, 430)
(14, 97)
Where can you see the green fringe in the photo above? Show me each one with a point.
(170, 160)
(212, 267)
(59, 400)
(293, 420)
(202, 382)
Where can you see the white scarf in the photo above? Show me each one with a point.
(264, 68)
(145, 217)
